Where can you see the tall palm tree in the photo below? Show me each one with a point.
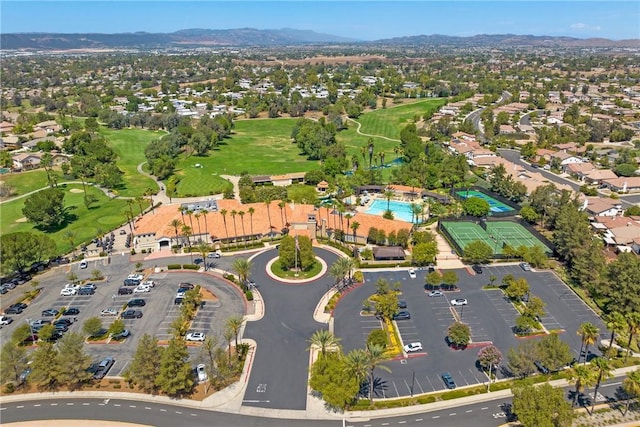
(370, 151)
(375, 356)
(204, 213)
(70, 235)
(234, 323)
(589, 334)
(324, 340)
(244, 234)
(416, 210)
(381, 154)
(148, 192)
(268, 205)
(337, 271)
(281, 205)
(235, 232)
(190, 214)
(198, 215)
(130, 203)
(363, 151)
(47, 161)
(582, 376)
(398, 150)
(388, 194)
(354, 227)
(251, 212)
(616, 324)
(633, 327)
(603, 369)
(183, 210)
(223, 212)
(631, 386)
(357, 364)
(341, 211)
(242, 267)
(176, 223)
(139, 200)
(186, 231)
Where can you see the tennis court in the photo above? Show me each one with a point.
(494, 205)
(496, 235)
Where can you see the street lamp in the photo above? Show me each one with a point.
(30, 327)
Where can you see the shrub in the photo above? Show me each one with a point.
(379, 337)
(358, 276)
(9, 388)
(174, 267)
(133, 251)
(249, 295)
(190, 266)
(331, 305)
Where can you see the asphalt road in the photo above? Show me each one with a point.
(280, 368)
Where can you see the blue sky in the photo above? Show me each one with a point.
(364, 20)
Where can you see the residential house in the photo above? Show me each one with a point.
(600, 206)
(26, 161)
(623, 184)
(565, 158)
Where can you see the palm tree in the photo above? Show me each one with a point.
(324, 340)
(234, 323)
(183, 210)
(139, 200)
(357, 364)
(70, 235)
(381, 154)
(203, 248)
(148, 192)
(354, 227)
(583, 377)
(603, 368)
(244, 234)
(281, 205)
(223, 212)
(337, 271)
(398, 150)
(130, 203)
(370, 150)
(375, 356)
(186, 231)
(631, 386)
(190, 214)
(388, 194)
(589, 334)
(198, 215)
(633, 327)
(363, 151)
(204, 213)
(176, 223)
(47, 161)
(268, 205)
(235, 232)
(251, 212)
(616, 324)
(242, 267)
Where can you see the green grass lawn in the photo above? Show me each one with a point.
(129, 145)
(25, 182)
(103, 216)
(256, 146)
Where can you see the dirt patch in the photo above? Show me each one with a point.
(75, 190)
(23, 219)
(354, 59)
(207, 295)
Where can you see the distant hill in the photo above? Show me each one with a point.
(242, 37)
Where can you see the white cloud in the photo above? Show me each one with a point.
(579, 26)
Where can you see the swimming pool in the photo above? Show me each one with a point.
(401, 210)
(494, 205)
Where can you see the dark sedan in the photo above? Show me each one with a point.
(103, 368)
(131, 314)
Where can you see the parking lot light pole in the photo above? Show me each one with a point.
(413, 382)
(30, 327)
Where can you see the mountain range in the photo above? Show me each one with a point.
(247, 37)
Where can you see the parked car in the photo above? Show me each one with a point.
(140, 289)
(448, 380)
(4, 320)
(402, 303)
(202, 373)
(459, 301)
(63, 321)
(477, 268)
(68, 292)
(31, 339)
(149, 283)
(50, 312)
(86, 291)
(84, 264)
(40, 323)
(402, 315)
(71, 286)
(186, 285)
(213, 255)
(436, 294)
(125, 291)
(131, 314)
(13, 309)
(412, 273)
(131, 282)
(195, 336)
(137, 302)
(89, 286)
(71, 311)
(136, 276)
(122, 335)
(525, 266)
(109, 312)
(103, 368)
(541, 367)
(413, 347)
(61, 327)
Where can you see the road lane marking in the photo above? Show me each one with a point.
(468, 410)
(37, 405)
(452, 414)
(484, 408)
(86, 404)
(19, 406)
(436, 416)
(418, 420)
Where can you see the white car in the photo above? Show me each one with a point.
(459, 301)
(67, 292)
(4, 320)
(149, 283)
(138, 277)
(213, 255)
(109, 312)
(412, 273)
(413, 347)
(436, 294)
(202, 373)
(195, 336)
(71, 286)
(141, 289)
(525, 266)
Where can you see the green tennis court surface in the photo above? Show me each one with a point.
(494, 205)
(497, 234)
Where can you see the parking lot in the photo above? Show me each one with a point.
(489, 315)
(158, 312)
